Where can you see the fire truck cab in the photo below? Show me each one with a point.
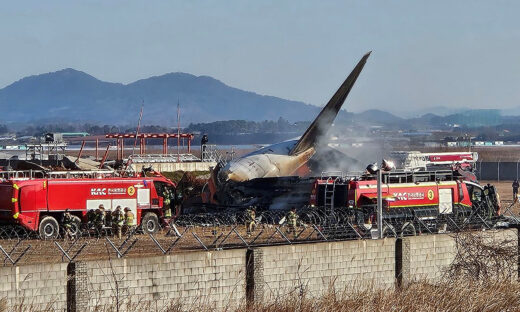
(38, 204)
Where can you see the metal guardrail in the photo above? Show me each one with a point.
(210, 153)
(161, 158)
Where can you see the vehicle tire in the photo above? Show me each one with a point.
(49, 228)
(150, 223)
(75, 230)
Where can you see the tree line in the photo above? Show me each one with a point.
(228, 127)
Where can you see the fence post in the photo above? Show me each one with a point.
(399, 262)
(77, 287)
(517, 168)
(254, 277)
(250, 278)
(379, 204)
(498, 170)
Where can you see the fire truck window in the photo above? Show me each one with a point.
(475, 193)
(159, 187)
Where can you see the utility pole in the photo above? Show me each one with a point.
(379, 203)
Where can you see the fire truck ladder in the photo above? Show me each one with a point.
(329, 195)
(330, 187)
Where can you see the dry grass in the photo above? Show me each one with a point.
(457, 295)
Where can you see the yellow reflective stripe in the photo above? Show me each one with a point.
(14, 200)
(16, 215)
(15, 186)
(418, 206)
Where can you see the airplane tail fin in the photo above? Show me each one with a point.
(322, 123)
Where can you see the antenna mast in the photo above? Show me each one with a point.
(178, 131)
(138, 126)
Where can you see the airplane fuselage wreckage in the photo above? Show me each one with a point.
(281, 159)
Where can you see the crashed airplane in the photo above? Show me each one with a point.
(285, 158)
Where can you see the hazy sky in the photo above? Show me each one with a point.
(425, 53)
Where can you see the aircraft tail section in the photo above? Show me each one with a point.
(322, 123)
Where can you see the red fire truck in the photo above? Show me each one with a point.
(410, 199)
(38, 204)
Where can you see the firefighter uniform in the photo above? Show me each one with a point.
(91, 217)
(100, 219)
(118, 220)
(515, 185)
(167, 195)
(250, 220)
(129, 220)
(292, 220)
(67, 222)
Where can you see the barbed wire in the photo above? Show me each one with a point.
(217, 231)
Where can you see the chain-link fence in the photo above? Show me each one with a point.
(498, 170)
(217, 231)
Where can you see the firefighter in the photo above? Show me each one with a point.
(108, 218)
(100, 219)
(91, 218)
(250, 220)
(118, 220)
(203, 142)
(515, 190)
(129, 220)
(67, 220)
(292, 220)
(178, 201)
(167, 197)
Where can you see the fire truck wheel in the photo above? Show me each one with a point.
(75, 229)
(48, 228)
(150, 223)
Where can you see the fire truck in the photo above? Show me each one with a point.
(38, 204)
(412, 201)
(414, 160)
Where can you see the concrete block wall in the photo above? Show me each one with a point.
(39, 287)
(213, 279)
(226, 278)
(427, 257)
(314, 268)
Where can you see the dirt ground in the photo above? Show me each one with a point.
(94, 248)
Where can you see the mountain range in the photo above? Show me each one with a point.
(70, 95)
(73, 95)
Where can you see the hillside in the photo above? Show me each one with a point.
(71, 95)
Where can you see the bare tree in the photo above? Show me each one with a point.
(482, 257)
